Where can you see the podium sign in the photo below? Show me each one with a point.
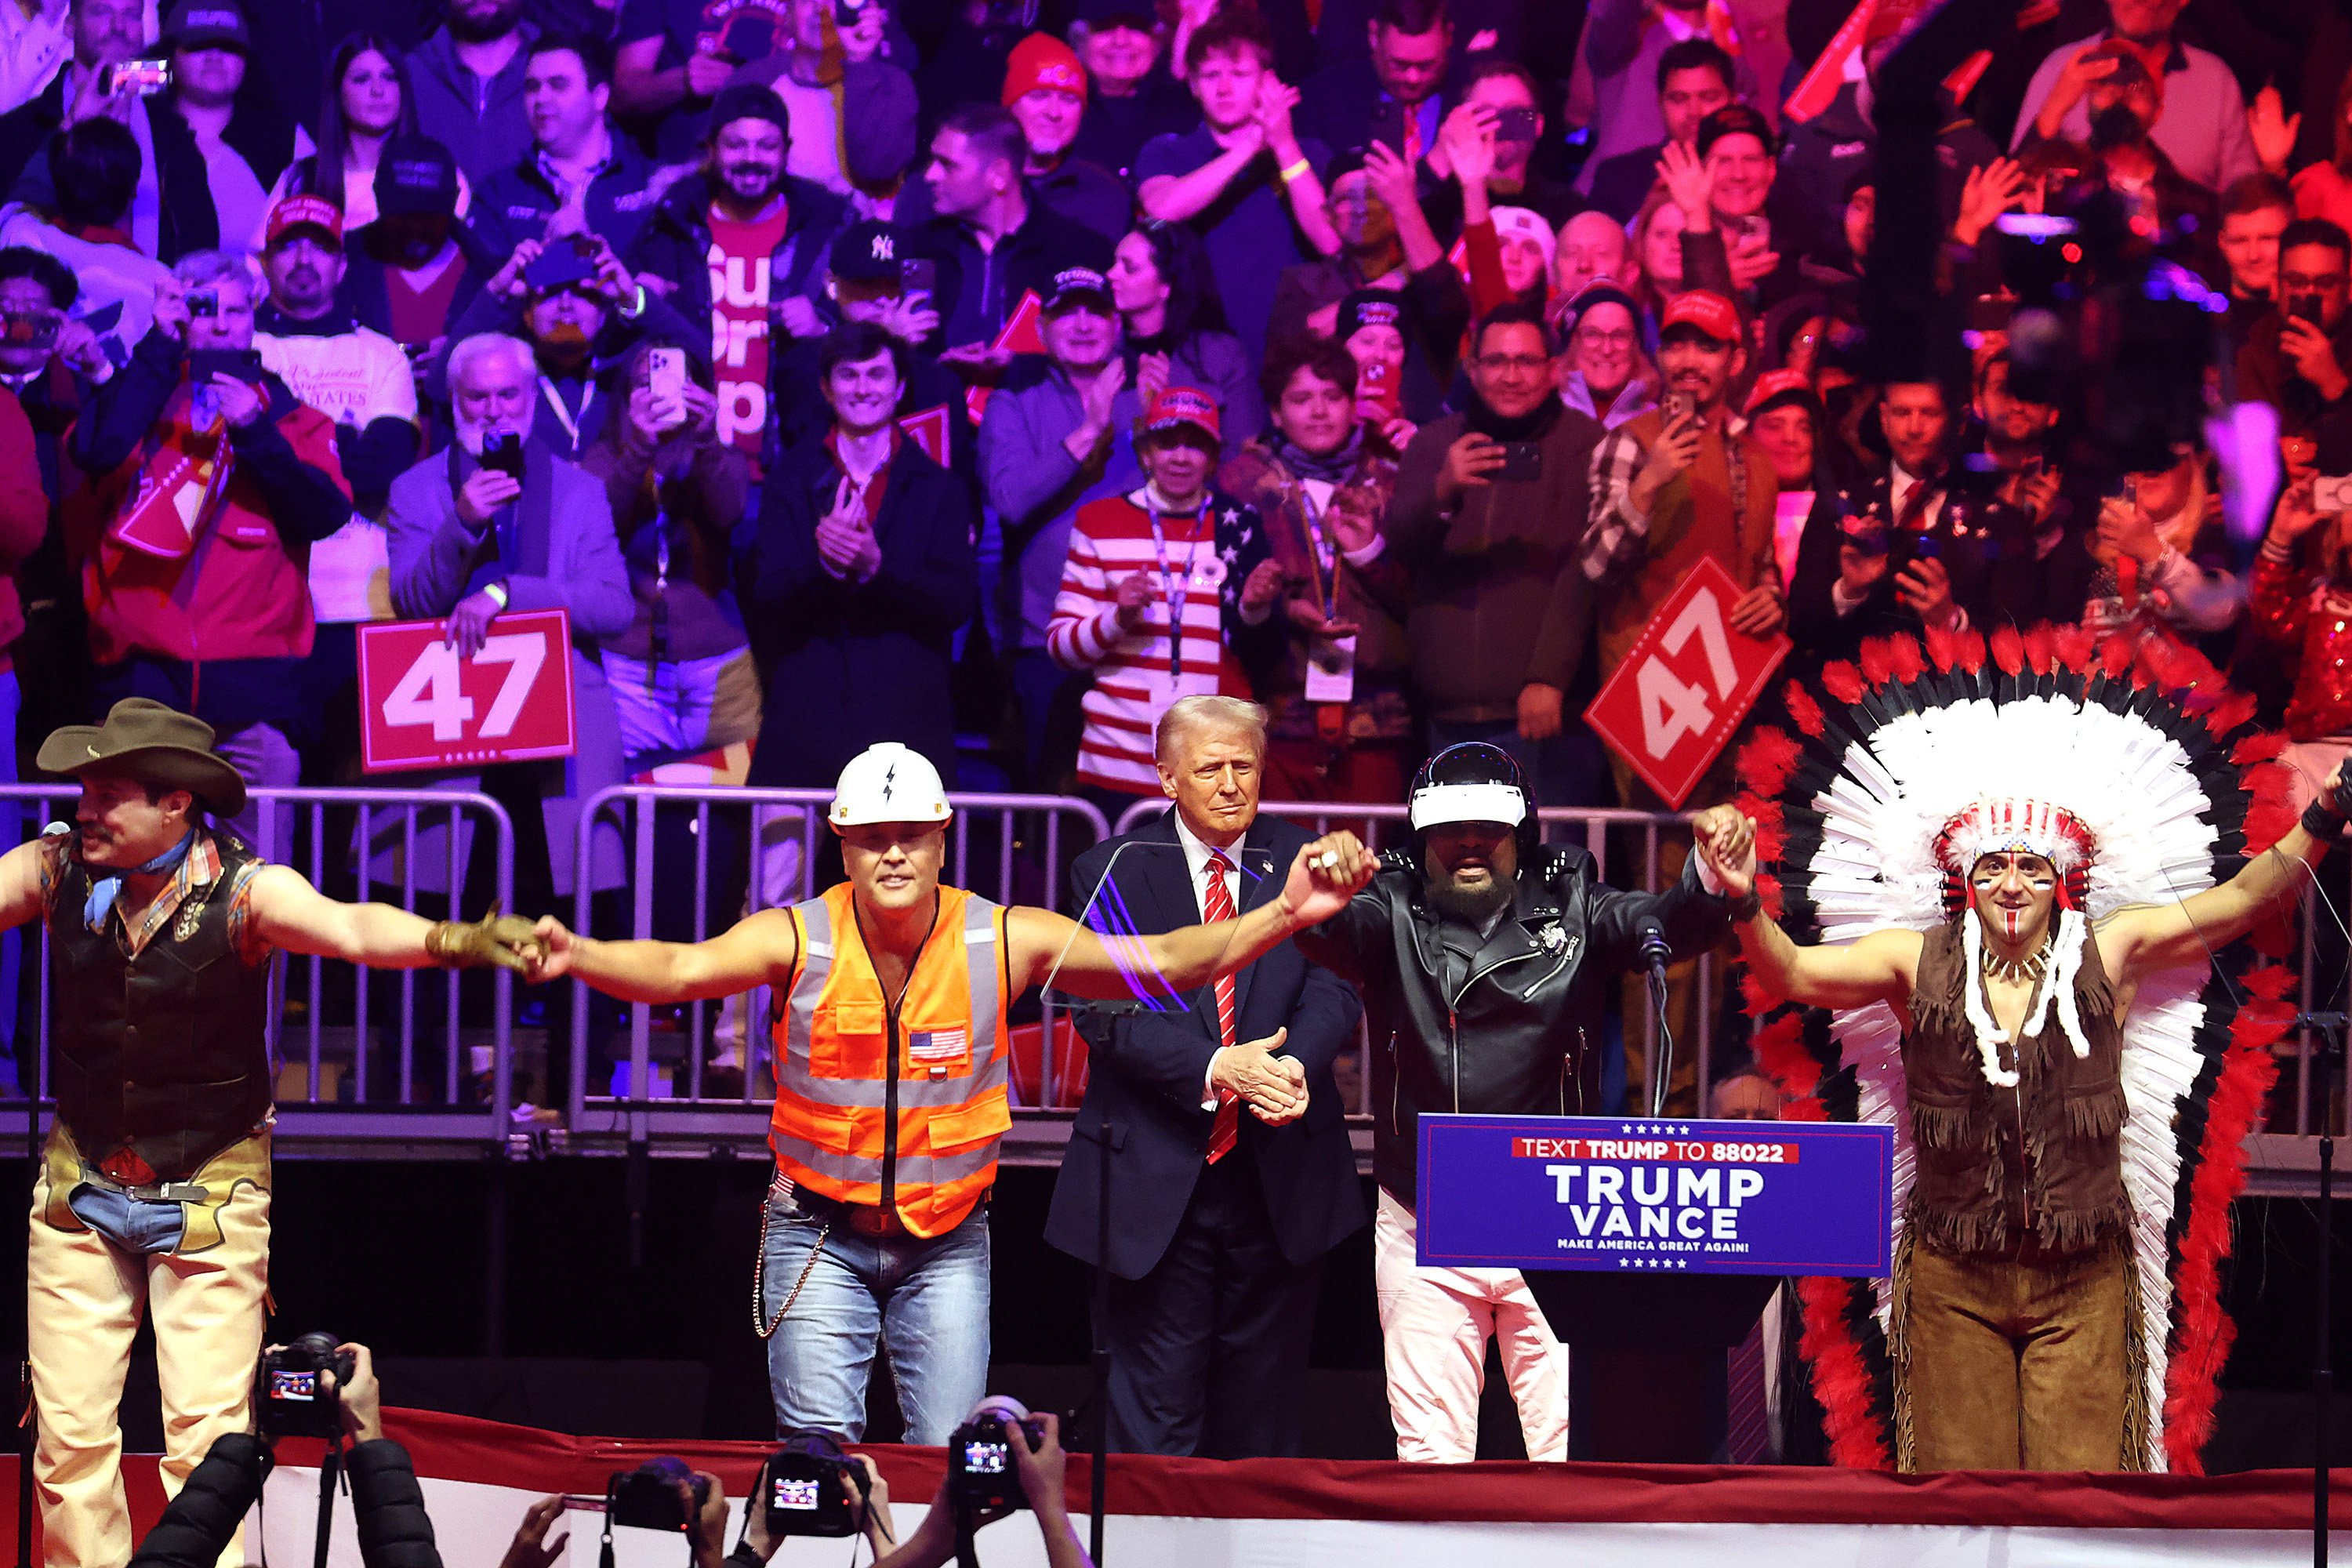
(422, 707)
(1683, 687)
(1627, 1196)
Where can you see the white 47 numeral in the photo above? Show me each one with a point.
(433, 692)
(1669, 708)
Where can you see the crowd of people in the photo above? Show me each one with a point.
(1384, 361)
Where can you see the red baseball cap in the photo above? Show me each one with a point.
(1039, 60)
(1708, 311)
(1178, 405)
(304, 212)
(1777, 386)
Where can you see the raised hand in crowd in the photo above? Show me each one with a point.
(862, 39)
(1468, 463)
(531, 1548)
(1273, 1086)
(2273, 130)
(612, 279)
(1150, 375)
(1675, 450)
(795, 315)
(2084, 68)
(83, 355)
(1097, 398)
(1751, 258)
(1134, 594)
(707, 69)
(1262, 587)
(1467, 141)
(484, 491)
(2294, 516)
(1760, 612)
(2035, 492)
(2125, 529)
(1689, 185)
(171, 309)
(1988, 191)
(845, 544)
(910, 318)
(2306, 343)
(1276, 100)
(508, 282)
(241, 402)
(1926, 588)
(1860, 570)
(1540, 706)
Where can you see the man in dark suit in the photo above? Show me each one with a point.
(1230, 1173)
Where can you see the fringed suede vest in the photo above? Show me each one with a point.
(2042, 1160)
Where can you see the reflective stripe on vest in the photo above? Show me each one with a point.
(831, 1032)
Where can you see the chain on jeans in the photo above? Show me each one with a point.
(766, 1327)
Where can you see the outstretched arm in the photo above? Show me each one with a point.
(289, 912)
(761, 949)
(1879, 967)
(2136, 942)
(1046, 948)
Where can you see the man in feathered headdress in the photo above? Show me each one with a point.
(2015, 1330)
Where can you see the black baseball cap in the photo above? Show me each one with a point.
(1736, 120)
(866, 252)
(206, 24)
(415, 174)
(1073, 285)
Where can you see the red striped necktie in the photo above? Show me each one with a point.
(1217, 904)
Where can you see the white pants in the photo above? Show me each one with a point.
(1435, 1324)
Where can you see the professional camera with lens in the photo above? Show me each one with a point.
(801, 1489)
(293, 1400)
(982, 1473)
(647, 1499)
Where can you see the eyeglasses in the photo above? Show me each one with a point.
(1523, 365)
(1593, 337)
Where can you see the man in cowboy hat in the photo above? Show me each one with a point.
(155, 1184)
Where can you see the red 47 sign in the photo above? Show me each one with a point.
(422, 707)
(1672, 705)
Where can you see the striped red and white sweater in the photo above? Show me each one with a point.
(1213, 552)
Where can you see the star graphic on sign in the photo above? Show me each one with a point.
(1229, 517)
(1624, 1126)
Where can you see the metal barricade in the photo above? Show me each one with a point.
(707, 1071)
(361, 1056)
(1384, 827)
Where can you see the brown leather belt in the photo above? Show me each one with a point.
(868, 1219)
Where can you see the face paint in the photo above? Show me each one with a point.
(1999, 878)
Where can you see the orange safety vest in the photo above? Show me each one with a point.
(925, 1139)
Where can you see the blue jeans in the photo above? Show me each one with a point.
(925, 1302)
(1569, 769)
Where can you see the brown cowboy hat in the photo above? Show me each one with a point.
(160, 747)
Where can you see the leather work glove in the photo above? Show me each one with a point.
(502, 940)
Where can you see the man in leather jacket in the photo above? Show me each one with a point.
(1487, 961)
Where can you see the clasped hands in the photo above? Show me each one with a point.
(1272, 1085)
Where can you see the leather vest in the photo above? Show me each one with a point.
(164, 1054)
(1999, 1167)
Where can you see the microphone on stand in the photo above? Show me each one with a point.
(1655, 952)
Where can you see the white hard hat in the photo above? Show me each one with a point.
(889, 782)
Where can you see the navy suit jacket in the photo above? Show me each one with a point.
(1147, 1069)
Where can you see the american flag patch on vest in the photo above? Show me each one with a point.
(937, 1045)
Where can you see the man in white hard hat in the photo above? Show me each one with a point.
(892, 1064)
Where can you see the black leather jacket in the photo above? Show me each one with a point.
(1522, 1036)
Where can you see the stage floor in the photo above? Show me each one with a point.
(479, 1475)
